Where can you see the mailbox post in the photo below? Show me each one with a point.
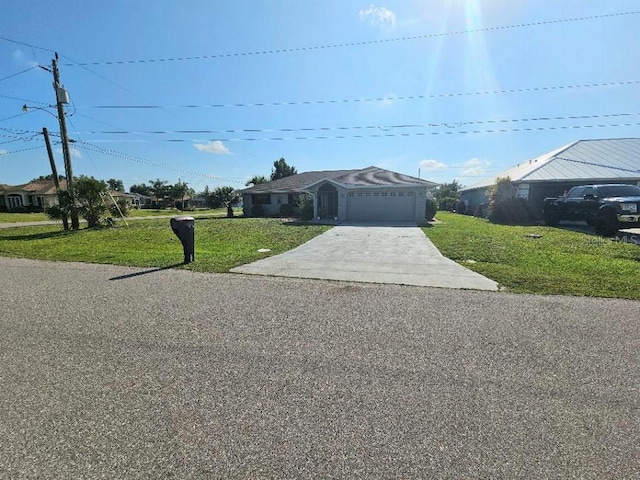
(183, 227)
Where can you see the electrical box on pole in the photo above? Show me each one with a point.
(62, 96)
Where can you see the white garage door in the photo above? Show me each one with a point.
(376, 206)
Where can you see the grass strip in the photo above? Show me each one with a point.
(559, 262)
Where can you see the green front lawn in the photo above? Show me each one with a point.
(559, 262)
(220, 243)
(22, 217)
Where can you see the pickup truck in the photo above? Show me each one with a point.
(605, 207)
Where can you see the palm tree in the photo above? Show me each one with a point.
(226, 196)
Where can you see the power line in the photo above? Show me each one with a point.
(135, 158)
(23, 99)
(21, 150)
(26, 44)
(19, 73)
(107, 80)
(14, 116)
(353, 44)
(365, 127)
(381, 135)
(373, 99)
(84, 66)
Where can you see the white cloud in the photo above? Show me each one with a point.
(388, 101)
(75, 153)
(216, 148)
(432, 165)
(475, 167)
(378, 16)
(19, 56)
(2, 152)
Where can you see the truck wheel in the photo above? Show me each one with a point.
(606, 225)
(551, 217)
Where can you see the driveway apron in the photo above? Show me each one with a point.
(395, 254)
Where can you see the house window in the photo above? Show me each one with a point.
(368, 194)
(384, 194)
(36, 200)
(292, 199)
(410, 194)
(401, 194)
(393, 194)
(359, 194)
(261, 199)
(351, 194)
(376, 194)
(15, 201)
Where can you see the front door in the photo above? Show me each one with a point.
(327, 201)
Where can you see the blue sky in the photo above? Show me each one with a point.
(408, 85)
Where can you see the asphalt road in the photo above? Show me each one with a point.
(106, 373)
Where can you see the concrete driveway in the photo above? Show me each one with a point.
(399, 254)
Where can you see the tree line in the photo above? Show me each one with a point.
(88, 196)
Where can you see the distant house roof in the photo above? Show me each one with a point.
(370, 176)
(584, 160)
(39, 187)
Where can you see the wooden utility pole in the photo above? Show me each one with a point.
(61, 98)
(54, 171)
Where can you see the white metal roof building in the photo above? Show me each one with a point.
(615, 160)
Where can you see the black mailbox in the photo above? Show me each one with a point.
(183, 227)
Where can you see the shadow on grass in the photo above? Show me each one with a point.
(37, 236)
(146, 272)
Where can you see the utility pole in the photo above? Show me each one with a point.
(61, 98)
(54, 171)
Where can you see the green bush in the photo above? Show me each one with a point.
(54, 212)
(257, 210)
(447, 204)
(124, 205)
(431, 209)
(512, 211)
(286, 210)
(480, 211)
(305, 203)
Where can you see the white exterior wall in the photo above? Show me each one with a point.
(369, 205)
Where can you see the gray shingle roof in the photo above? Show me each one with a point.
(584, 160)
(370, 176)
(39, 187)
(295, 183)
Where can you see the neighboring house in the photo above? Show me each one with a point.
(199, 202)
(139, 201)
(582, 162)
(134, 199)
(365, 195)
(32, 196)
